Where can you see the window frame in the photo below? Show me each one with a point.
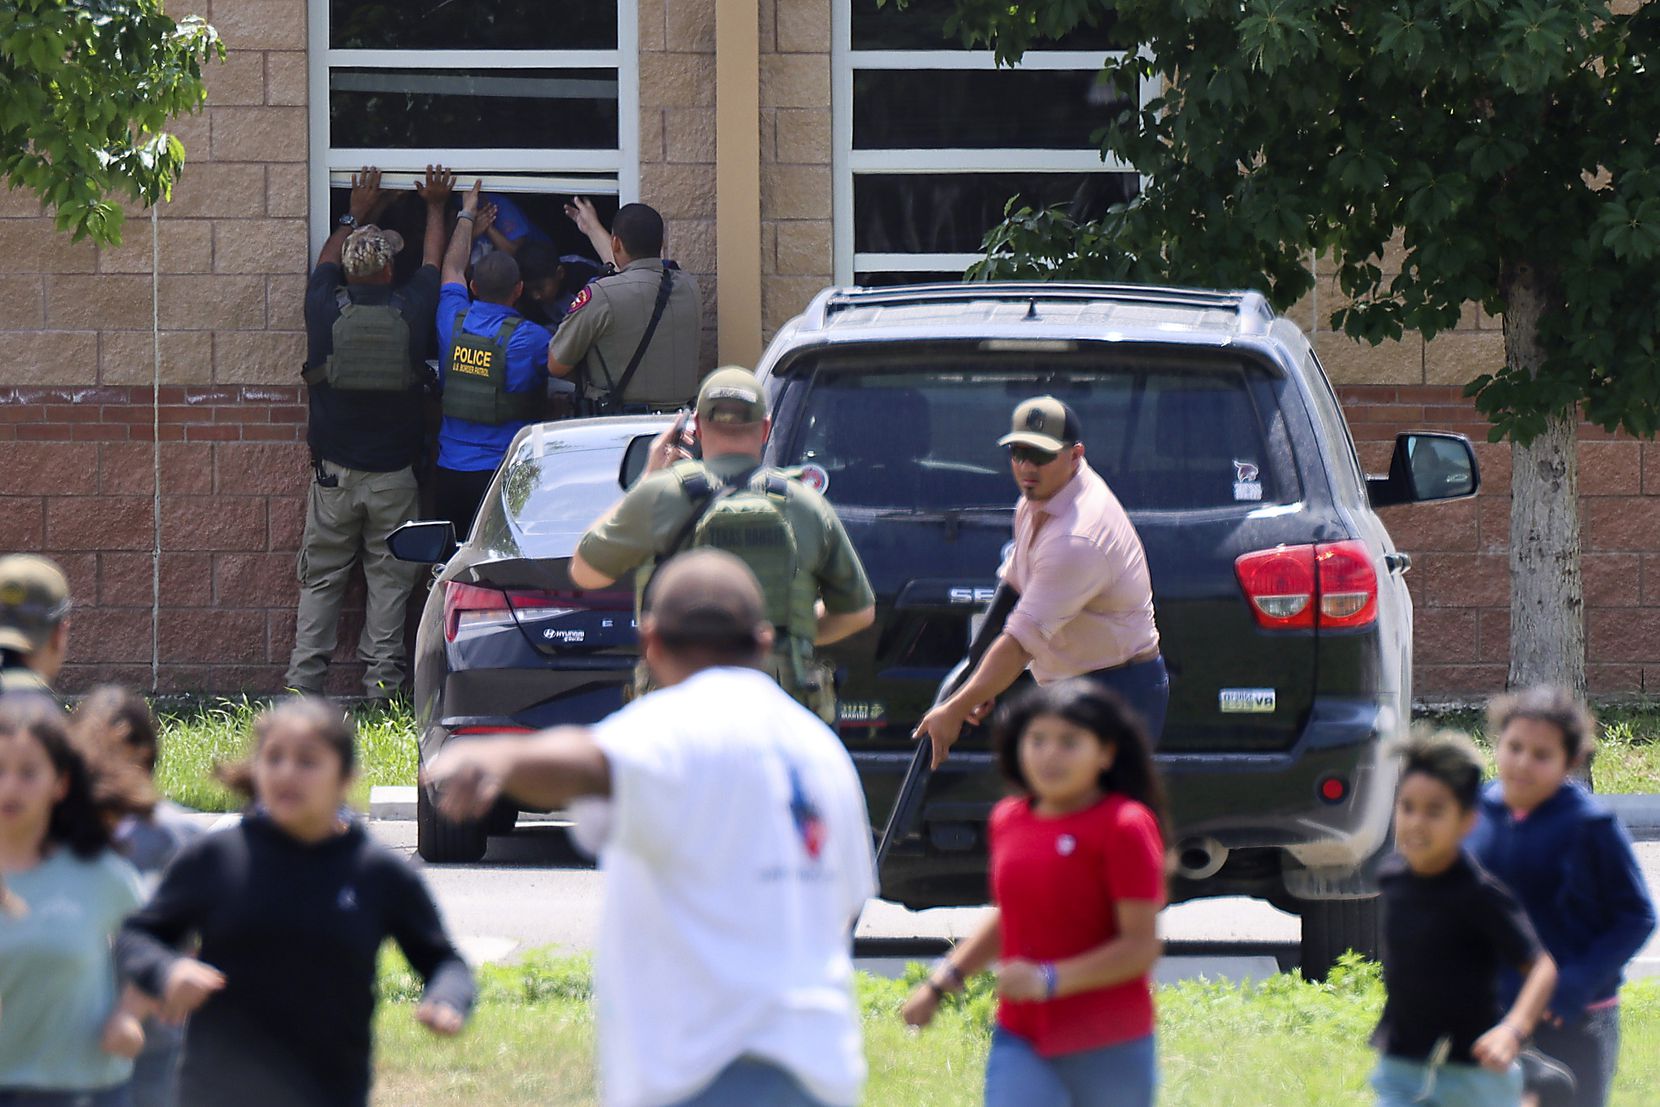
(502, 170)
(847, 162)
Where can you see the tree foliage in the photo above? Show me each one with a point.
(1497, 137)
(86, 90)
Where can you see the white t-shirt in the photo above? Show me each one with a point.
(737, 854)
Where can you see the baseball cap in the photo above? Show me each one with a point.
(731, 395)
(369, 249)
(34, 598)
(1043, 422)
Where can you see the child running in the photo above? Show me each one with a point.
(64, 1038)
(291, 907)
(1077, 880)
(1449, 929)
(117, 723)
(1571, 864)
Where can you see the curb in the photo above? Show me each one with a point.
(1639, 813)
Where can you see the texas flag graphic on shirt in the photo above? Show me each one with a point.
(808, 823)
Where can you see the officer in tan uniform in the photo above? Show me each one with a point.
(34, 624)
(816, 591)
(633, 334)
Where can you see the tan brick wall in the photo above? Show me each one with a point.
(796, 241)
(677, 137)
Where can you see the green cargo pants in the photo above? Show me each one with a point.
(344, 523)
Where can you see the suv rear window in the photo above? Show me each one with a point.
(1167, 436)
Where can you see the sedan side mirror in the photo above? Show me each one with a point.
(634, 460)
(424, 542)
(1427, 467)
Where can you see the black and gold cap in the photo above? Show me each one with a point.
(1045, 423)
(34, 599)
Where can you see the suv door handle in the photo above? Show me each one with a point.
(1398, 563)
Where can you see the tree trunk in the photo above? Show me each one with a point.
(1547, 596)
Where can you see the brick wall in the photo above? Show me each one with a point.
(796, 259)
(76, 442)
(677, 138)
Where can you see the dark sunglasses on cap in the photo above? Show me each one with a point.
(1031, 455)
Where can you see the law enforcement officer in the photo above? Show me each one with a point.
(1086, 603)
(494, 369)
(820, 597)
(634, 334)
(365, 368)
(34, 624)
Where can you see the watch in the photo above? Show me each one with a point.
(348, 220)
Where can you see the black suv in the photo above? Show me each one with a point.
(1285, 622)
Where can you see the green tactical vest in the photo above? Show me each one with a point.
(371, 350)
(748, 520)
(475, 378)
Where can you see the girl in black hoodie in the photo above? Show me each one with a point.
(290, 908)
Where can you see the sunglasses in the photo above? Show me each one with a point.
(1031, 455)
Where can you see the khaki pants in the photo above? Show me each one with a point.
(342, 524)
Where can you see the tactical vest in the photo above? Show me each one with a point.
(475, 378)
(371, 350)
(747, 519)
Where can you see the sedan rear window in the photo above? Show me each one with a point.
(545, 499)
(1166, 436)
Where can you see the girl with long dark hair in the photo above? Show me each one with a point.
(1077, 880)
(66, 1037)
(291, 907)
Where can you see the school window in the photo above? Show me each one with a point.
(538, 98)
(931, 140)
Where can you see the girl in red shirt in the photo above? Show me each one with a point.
(1077, 881)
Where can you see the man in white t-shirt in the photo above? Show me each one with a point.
(737, 854)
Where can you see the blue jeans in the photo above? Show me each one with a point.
(117, 1096)
(1123, 1075)
(1145, 686)
(1590, 1049)
(156, 1074)
(1402, 1083)
(752, 1082)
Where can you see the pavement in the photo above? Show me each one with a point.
(532, 889)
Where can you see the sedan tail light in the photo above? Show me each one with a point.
(1332, 585)
(469, 605)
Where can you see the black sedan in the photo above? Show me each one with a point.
(506, 643)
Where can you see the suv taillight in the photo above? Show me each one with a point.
(1332, 585)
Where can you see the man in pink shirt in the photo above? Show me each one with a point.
(1086, 604)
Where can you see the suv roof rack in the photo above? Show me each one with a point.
(1252, 308)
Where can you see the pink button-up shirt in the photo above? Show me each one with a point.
(1085, 599)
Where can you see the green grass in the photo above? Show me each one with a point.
(1278, 1043)
(194, 739)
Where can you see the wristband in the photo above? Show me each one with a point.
(952, 972)
(1051, 979)
(939, 992)
(467, 215)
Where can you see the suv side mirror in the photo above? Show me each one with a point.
(634, 460)
(1427, 467)
(424, 542)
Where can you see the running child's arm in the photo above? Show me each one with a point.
(1131, 954)
(1605, 873)
(124, 1030)
(1497, 1049)
(972, 955)
(146, 950)
(419, 932)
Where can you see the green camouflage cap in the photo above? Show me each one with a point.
(34, 598)
(369, 249)
(1043, 422)
(731, 395)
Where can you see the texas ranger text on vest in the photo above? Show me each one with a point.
(366, 377)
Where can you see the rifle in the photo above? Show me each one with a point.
(907, 806)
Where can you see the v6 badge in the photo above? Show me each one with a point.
(1247, 701)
